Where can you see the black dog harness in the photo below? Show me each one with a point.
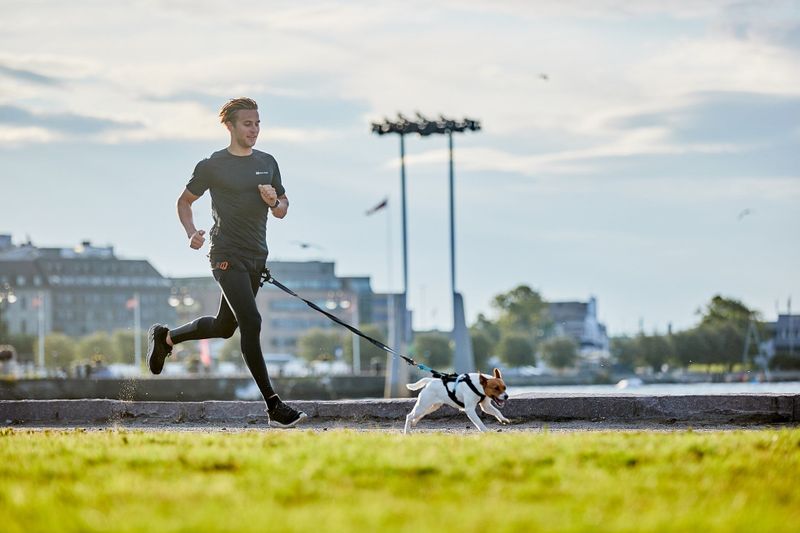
(456, 379)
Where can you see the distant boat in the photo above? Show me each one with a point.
(629, 383)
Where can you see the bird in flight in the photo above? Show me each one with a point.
(743, 213)
(306, 245)
(544, 76)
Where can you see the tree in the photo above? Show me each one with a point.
(523, 312)
(654, 351)
(692, 346)
(516, 350)
(59, 350)
(95, 346)
(319, 344)
(481, 348)
(725, 322)
(485, 326)
(624, 350)
(560, 352)
(232, 348)
(23, 344)
(722, 310)
(124, 347)
(368, 350)
(434, 349)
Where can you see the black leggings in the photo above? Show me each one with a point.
(239, 280)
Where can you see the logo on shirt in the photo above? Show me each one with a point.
(258, 172)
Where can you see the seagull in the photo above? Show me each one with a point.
(306, 245)
(744, 213)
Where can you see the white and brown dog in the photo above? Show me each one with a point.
(464, 392)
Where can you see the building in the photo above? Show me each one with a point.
(78, 290)
(787, 335)
(578, 321)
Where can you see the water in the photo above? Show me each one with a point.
(792, 387)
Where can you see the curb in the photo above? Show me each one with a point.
(732, 408)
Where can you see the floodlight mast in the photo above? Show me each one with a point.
(424, 127)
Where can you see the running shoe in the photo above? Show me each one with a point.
(283, 416)
(157, 348)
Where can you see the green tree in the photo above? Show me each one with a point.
(487, 327)
(728, 320)
(721, 310)
(367, 349)
(516, 350)
(435, 349)
(23, 344)
(319, 344)
(522, 311)
(726, 343)
(482, 346)
(96, 346)
(124, 347)
(692, 346)
(232, 348)
(625, 351)
(59, 350)
(654, 351)
(560, 352)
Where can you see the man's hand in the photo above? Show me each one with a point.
(268, 194)
(197, 239)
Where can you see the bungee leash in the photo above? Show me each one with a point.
(266, 277)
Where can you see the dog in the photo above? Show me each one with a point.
(464, 392)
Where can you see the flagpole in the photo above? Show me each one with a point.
(137, 336)
(41, 331)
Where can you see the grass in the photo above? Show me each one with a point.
(350, 481)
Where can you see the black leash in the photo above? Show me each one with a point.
(266, 277)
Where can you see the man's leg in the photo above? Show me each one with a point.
(240, 289)
(161, 339)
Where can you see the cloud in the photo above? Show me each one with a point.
(28, 76)
(725, 117)
(68, 123)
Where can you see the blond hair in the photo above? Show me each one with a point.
(228, 112)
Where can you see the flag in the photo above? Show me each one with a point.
(132, 303)
(205, 352)
(378, 207)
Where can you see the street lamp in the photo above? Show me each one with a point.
(7, 296)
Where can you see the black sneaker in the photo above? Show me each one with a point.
(283, 416)
(157, 348)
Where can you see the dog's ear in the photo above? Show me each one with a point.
(497, 373)
(483, 379)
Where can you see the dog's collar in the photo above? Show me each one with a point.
(457, 380)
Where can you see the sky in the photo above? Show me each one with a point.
(644, 153)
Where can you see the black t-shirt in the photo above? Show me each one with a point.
(240, 215)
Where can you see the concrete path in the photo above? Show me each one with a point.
(528, 412)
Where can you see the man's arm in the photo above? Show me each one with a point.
(283, 207)
(270, 197)
(185, 201)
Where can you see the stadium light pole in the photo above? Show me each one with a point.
(401, 126)
(424, 127)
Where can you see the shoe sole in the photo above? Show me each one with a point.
(151, 344)
(273, 423)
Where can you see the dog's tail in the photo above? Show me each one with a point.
(419, 384)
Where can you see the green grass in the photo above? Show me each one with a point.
(350, 481)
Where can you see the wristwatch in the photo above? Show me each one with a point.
(277, 203)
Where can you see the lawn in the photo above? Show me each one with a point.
(369, 481)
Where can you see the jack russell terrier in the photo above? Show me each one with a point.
(464, 392)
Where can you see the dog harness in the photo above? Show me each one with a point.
(453, 378)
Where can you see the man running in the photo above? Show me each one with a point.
(245, 186)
